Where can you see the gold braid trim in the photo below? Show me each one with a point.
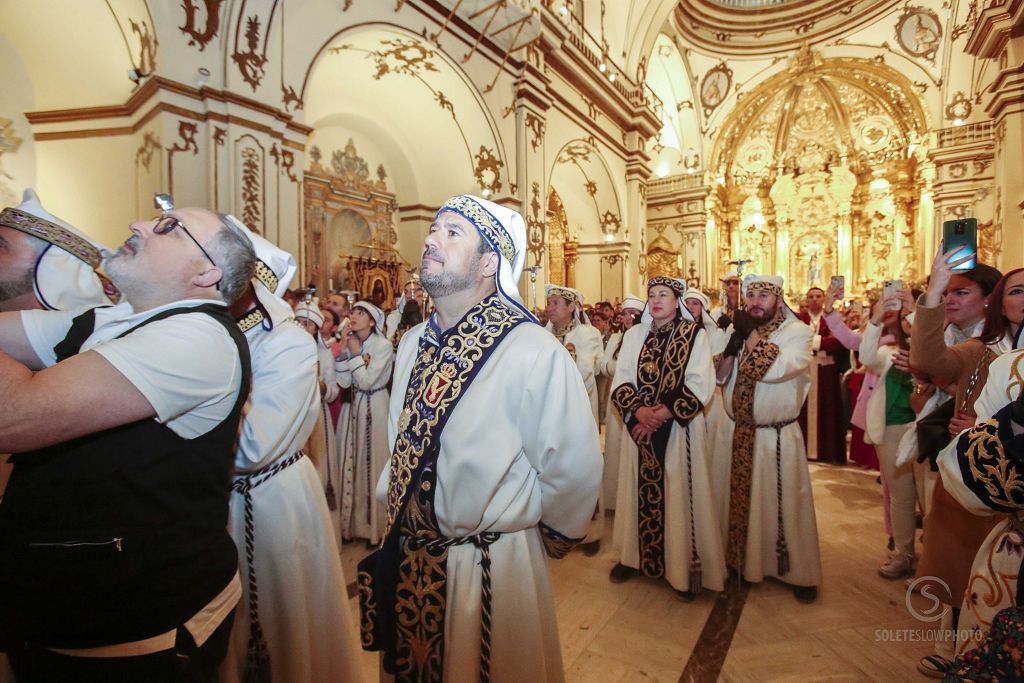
(1016, 384)
(480, 217)
(251, 320)
(673, 284)
(266, 276)
(758, 286)
(56, 235)
(994, 476)
(752, 368)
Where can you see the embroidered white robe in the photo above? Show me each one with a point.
(520, 448)
(678, 483)
(364, 452)
(778, 397)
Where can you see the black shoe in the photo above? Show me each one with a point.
(892, 544)
(592, 548)
(621, 573)
(805, 594)
(686, 596)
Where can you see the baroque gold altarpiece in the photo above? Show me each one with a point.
(349, 232)
(824, 170)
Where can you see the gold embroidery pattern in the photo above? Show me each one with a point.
(52, 233)
(1016, 383)
(626, 399)
(476, 214)
(765, 287)
(996, 478)
(484, 325)
(251, 320)
(266, 276)
(367, 609)
(673, 284)
(420, 597)
(752, 368)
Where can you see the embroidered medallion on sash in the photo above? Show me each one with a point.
(402, 586)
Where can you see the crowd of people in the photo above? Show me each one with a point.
(194, 442)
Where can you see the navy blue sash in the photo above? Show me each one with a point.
(446, 365)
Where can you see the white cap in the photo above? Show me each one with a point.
(573, 296)
(309, 310)
(65, 274)
(633, 301)
(676, 285)
(505, 230)
(375, 313)
(275, 268)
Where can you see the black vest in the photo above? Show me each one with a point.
(120, 535)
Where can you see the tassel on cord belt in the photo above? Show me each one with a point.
(332, 500)
(257, 665)
(482, 541)
(781, 549)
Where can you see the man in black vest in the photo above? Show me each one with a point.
(115, 560)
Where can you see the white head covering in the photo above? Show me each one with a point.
(275, 268)
(573, 296)
(309, 310)
(505, 231)
(633, 301)
(705, 303)
(402, 301)
(65, 274)
(768, 283)
(375, 313)
(676, 285)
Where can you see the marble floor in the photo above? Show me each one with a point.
(859, 629)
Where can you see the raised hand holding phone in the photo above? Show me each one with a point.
(943, 269)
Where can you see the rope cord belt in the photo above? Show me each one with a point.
(368, 455)
(482, 541)
(695, 565)
(781, 549)
(257, 658)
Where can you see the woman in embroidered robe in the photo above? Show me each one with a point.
(321, 446)
(964, 466)
(765, 388)
(665, 524)
(362, 424)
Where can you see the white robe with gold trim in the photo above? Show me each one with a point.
(521, 447)
(700, 380)
(778, 398)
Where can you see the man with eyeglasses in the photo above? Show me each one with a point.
(115, 559)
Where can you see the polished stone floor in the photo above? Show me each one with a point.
(859, 629)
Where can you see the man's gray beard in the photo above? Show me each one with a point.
(442, 284)
(11, 289)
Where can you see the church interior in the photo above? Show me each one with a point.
(801, 138)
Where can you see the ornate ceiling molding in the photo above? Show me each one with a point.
(733, 30)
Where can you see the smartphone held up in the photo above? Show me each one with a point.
(961, 235)
(890, 295)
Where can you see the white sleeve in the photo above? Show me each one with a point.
(187, 367)
(46, 329)
(285, 398)
(794, 356)
(564, 448)
(370, 375)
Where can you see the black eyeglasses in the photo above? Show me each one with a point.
(164, 224)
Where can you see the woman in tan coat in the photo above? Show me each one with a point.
(952, 535)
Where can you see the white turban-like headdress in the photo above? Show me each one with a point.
(65, 276)
(505, 231)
